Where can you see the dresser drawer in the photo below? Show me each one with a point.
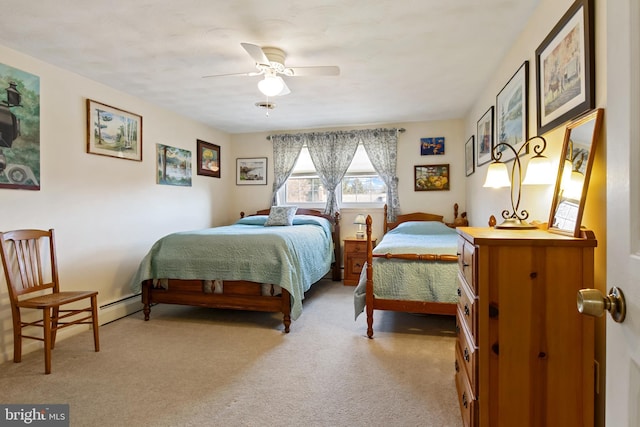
(468, 405)
(355, 263)
(467, 358)
(467, 308)
(466, 263)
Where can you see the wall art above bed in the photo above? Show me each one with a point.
(431, 177)
(251, 171)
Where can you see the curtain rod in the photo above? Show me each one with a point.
(401, 130)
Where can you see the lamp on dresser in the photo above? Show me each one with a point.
(538, 172)
(360, 220)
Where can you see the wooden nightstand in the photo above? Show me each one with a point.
(355, 255)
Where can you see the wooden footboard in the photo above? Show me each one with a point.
(236, 295)
(424, 307)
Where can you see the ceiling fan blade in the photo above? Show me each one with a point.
(314, 71)
(250, 74)
(256, 53)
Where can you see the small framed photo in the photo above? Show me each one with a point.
(251, 171)
(565, 68)
(113, 132)
(484, 138)
(469, 157)
(431, 146)
(512, 113)
(431, 177)
(208, 159)
(173, 166)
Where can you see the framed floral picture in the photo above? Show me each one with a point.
(431, 177)
(484, 138)
(208, 158)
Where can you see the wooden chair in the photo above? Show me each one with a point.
(30, 267)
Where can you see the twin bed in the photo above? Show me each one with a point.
(245, 266)
(413, 269)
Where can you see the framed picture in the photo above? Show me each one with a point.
(252, 171)
(431, 146)
(208, 158)
(113, 132)
(512, 113)
(484, 138)
(565, 68)
(19, 130)
(469, 157)
(431, 177)
(173, 166)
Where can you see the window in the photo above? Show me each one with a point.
(360, 185)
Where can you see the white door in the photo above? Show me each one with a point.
(622, 118)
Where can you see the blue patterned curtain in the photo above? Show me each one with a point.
(286, 149)
(381, 146)
(331, 154)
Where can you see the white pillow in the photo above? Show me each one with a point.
(281, 215)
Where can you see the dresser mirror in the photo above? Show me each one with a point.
(578, 150)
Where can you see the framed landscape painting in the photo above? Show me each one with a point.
(251, 171)
(173, 166)
(484, 138)
(113, 132)
(512, 112)
(469, 158)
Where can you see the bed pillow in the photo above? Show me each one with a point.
(422, 227)
(281, 215)
(253, 220)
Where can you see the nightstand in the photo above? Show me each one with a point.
(355, 255)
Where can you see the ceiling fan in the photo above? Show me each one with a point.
(270, 63)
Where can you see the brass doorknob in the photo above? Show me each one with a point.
(592, 303)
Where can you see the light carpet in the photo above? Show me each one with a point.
(191, 366)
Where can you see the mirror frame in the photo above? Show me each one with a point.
(593, 115)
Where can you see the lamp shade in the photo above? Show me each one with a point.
(497, 176)
(539, 171)
(271, 85)
(360, 219)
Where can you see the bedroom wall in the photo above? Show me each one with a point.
(251, 198)
(107, 212)
(483, 202)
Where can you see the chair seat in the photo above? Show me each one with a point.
(56, 299)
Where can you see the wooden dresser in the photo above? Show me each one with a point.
(524, 355)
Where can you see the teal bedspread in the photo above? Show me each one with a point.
(294, 257)
(413, 280)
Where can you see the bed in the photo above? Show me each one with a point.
(413, 269)
(243, 266)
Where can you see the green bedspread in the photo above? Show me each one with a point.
(294, 257)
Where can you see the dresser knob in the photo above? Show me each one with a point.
(466, 310)
(459, 292)
(466, 355)
(464, 400)
(457, 366)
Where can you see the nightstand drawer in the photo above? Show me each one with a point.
(355, 256)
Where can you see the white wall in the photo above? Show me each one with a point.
(252, 198)
(107, 212)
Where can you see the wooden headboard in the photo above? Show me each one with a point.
(424, 216)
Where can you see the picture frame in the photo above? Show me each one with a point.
(173, 166)
(113, 132)
(251, 171)
(512, 113)
(484, 138)
(565, 68)
(431, 177)
(469, 156)
(432, 146)
(208, 158)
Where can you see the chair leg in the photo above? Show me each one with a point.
(46, 317)
(54, 326)
(17, 336)
(94, 311)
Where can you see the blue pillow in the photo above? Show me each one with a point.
(423, 228)
(253, 220)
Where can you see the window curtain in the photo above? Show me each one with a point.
(381, 146)
(286, 149)
(331, 154)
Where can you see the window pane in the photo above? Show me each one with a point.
(304, 190)
(363, 189)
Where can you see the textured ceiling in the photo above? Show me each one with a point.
(400, 60)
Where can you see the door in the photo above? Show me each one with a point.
(622, 118)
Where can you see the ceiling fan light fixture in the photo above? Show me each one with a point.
(271, 85)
